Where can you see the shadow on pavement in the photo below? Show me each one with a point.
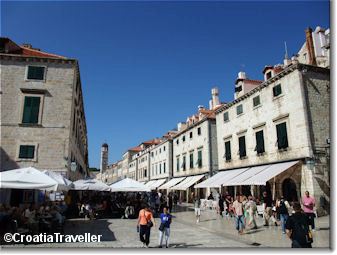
(183, 245)
(94, 227)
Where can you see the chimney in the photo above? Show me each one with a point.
(211, 104)
(27, 45)
(242, 75)
(181, 126)
(201, 107)
(310, 46)
(215, 98)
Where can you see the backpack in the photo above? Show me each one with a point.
(301, 232)
(283, 208)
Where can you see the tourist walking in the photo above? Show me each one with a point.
(144, 224)
(297, 228)
(267, 200)
(308, 208)
(221, 205)
(238, 212)
(251, 209)
(164, 228)
(197, 204)
(284, 214)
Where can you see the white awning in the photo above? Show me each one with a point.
(172, 183)
(157, 183)
(188, 182)
(209, 183)
(261, 177)
(149, 183)
(240, 179)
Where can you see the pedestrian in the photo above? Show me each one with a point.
(297, 228)
(197, 204)
(221, 205)
(164, 228)
(144, 224)
(251, 209)
(210, 197)
(238, 213)
(308, 208)
(284, 214)
(170, 202)
(267, 208)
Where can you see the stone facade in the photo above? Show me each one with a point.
(161, 160)
(60, 136)
(303, 106)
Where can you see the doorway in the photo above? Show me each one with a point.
(289, 190)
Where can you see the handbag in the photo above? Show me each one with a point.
(149, 223)
(161, 227)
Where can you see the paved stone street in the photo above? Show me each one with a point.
(211, 232)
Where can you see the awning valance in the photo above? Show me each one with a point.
(172, 183)
(157, 183)
(188, 182)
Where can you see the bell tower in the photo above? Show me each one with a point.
(104, 157)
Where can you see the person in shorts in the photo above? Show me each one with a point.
(197, 212)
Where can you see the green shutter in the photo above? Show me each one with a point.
(27, 151)
(282, 139)
(259, 142)
(228, 150)
(242, 146)
(199, 158)
(31, 110)
(191, 160)
(35, 73)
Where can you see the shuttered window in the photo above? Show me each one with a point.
(27, 151)
(225, 117)
(228, 154)
(178, 167)
(256, 101)
(239, 109)
(282, 137)
(259, 142)
(191, 160)
(242, 147)
(184, 163)
(277, 90)
(35, 73)
(200, 158)
(31, 110)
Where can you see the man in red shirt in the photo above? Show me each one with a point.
(308, 208)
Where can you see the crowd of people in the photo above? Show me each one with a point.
(295, 220)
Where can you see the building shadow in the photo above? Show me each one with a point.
(94, 227)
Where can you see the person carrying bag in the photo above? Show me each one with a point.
(164, 228)
(144, 224)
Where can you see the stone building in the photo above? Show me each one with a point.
(285, 118)
(42, 115)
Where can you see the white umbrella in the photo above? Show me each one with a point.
(26, 178)
(63, 183)
(128, 185)
(90, 184)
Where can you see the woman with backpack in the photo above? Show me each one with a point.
(144, 225)
(164, 228)
(283, 212)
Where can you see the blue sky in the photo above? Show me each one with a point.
(145, 66)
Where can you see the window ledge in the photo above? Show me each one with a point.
(228, 160)
(279, 96)
(245, 157)
(226, 121)
(283, 149)
(256, 107)
(261, 154)
(30, 125)
(239, 115)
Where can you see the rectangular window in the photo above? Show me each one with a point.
(256, 101)
(164, 148)
(277, 90)
(178, 166)
(145, 172)
(199, 130)
(259, 142)
(225, 117)
(238, 89)
(184, 163)
(160, 168)
(191, 135)
(27, 151)
(242, 147)
(183, 138)
(282, 137)
(191, 160)
(177, 141)
(199, 158)
(36, 73)
(228, 154)
(164, 166)
(160, 150)
(31, 110)
(239, 109)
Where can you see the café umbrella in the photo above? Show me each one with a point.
(90, 184)
(27, 178)
(63, 183)
(128, 185)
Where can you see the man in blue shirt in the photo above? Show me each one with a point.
(164, 229)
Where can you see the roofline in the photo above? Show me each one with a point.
(6, 56)
(278, 76)
(194, 125)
